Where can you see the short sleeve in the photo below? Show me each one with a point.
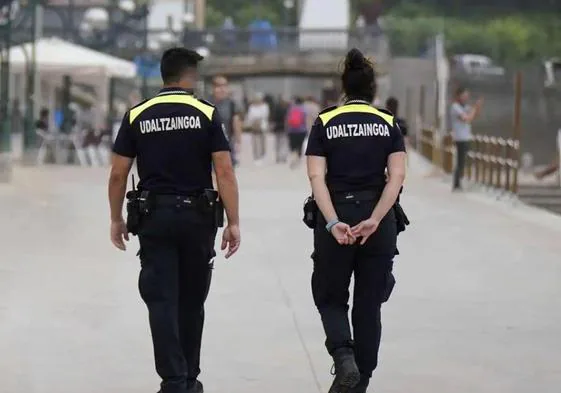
(398, 143)
(316, 140)
(217, 131)
(237, 108)
(125, 143)
(457, 110)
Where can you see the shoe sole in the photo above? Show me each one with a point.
(348, 382)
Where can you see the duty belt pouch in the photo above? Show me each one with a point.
(219, 214)
(400, 217)
(216, 207)
(310, 212)
(133, 212)
(144, 203)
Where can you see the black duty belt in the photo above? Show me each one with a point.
(175, 200)
(356, 196)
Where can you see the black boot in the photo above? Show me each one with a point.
(195, 387)
(192, 387)
(347, 375)
(362, 385)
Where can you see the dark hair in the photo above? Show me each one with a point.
(460, 90)
(216, 78)
(176, 62)
(298, 100)
(392, 104)
(44, 112)
(359, 79)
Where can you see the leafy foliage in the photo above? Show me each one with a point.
(507, 30)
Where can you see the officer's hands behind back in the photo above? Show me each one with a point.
(231, 238)
(342, 233)
(364, 229)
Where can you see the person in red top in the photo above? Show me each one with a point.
(296, 122)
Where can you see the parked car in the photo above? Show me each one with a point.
(474, 64)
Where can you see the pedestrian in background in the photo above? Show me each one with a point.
(296, 121)
(231, 114)
(279, 129)
(462, 116)
(392, 105)
(257, 121)
(312, 111)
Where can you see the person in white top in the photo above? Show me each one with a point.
(257, 120)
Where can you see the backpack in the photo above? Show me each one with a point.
(296, 118)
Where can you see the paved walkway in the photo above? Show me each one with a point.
(476, 308)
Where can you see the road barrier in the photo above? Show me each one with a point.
(491, 162)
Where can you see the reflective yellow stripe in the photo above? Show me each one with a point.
(325, 117)
(172, 99)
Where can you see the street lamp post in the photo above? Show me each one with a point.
(6, 16)
(145, 49)
(33, 86)
(288, 6)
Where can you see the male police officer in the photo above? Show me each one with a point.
(175, 137)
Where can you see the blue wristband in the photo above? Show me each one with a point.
(331, 224)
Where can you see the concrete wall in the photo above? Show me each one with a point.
(407, 75)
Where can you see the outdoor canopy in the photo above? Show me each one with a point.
(56, 58)
(55, 55)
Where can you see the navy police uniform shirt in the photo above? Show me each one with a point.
(172, 136)
(356, 140)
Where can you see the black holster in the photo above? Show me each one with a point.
(400, 217)
(212, 201)
(138, 206)
(310, 212)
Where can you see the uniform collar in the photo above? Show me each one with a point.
(357, 102)
(174, 90)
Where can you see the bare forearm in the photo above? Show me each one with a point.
(228, 190)
(388, 198)
(237, 131)
(117, 190)
(473, 114)
(322, 198)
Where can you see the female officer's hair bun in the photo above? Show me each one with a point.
(355, 60)
(359, 79)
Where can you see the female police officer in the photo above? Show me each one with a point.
(349, 149)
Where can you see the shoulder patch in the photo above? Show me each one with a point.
(329, 108)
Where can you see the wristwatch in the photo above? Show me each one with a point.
(331, 224)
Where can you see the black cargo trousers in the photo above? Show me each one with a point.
(176, 253)
(371, 265)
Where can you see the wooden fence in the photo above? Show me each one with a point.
(491, 162)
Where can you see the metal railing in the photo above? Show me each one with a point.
(492, 162)
(241, 41)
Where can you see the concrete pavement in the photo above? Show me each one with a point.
(476, 307)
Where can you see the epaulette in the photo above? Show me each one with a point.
(205, 102)
(329, 108)
(383, 110)
(140, 103)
